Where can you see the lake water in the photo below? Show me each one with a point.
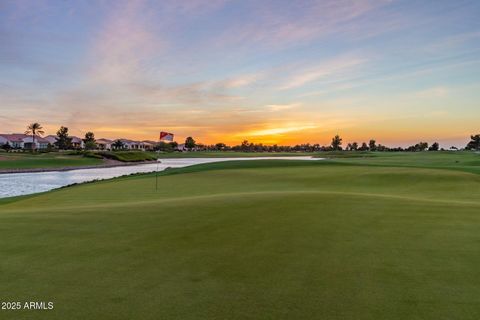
(16, 184)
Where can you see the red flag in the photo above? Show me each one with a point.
(166, 136)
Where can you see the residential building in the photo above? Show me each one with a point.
(132, 145)
(149, 145)
(24, 141)
(104, 144)
(77, 143)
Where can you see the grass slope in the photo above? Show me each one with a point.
(266, 239)
(43, 160)
(68, 159)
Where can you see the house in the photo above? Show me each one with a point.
(104, 144)
(149, 145)
(181, 147)
(77, 143)
(52, 139)
(132, 145)
(23, 141)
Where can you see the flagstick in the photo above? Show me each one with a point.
(156, 172)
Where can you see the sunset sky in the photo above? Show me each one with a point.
(280, 72)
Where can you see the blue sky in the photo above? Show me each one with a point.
(266, 71)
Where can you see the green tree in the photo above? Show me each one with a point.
(118, 145)
(63, 141)
(372, 146)
(89, 141)
(34, 129)
(474, 143)
(190, 143)
(336, 143)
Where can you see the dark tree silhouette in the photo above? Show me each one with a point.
(474, 143)
(336, 143)
(190, 143)
(434, 147)
(118, 144)
(89, 141)
(364, 147)
(63, 142)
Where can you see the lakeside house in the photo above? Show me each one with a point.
(149, 145)
(128, 144)
(23, 141)
(77, 143)
(104, 144)
(132, 145)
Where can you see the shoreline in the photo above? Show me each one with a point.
(106, 164)
(110, 163)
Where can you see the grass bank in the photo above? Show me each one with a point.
(124, 156)
(69, 159)
(26, 160)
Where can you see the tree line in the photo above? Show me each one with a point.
(64, 142)
(335, 145)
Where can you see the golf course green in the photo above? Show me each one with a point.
(371, 236)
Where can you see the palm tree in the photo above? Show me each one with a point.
(118, 144)
(34, 129)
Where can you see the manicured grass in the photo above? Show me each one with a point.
(233, 154)
(460, 160)
(266, 239)
(27, 160)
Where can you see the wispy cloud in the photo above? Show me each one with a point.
(281, 107)
(296, 22)
(334, 68)
(435, 93)
(276, 131)
(238, 81)
(124, 45)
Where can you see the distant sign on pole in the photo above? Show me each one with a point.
(166, 136)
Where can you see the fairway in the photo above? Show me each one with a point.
(264, 239)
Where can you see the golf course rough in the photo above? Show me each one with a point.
(266, 239)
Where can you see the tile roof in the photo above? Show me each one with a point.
(19, 137)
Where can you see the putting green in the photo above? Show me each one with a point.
(267, 239)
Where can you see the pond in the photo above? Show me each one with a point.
(16, 184)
